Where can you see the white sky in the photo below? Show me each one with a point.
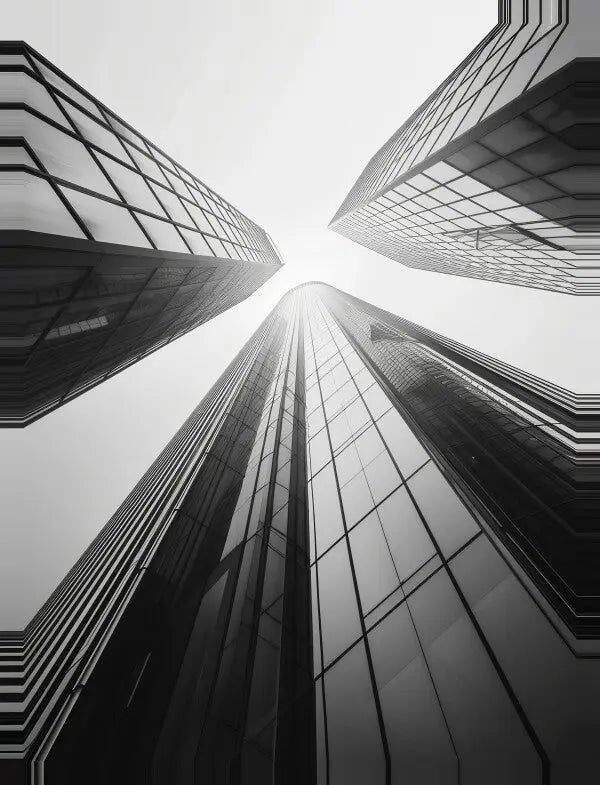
(278, 105)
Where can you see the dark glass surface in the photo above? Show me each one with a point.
(81, 190)
(368, 599)
(495, 176)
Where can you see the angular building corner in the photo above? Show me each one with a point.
(109, 249)
(497, 175)
(370, 555)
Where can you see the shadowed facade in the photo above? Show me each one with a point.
(109, 249)
(370, 555)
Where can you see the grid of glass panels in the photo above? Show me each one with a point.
(449, 222)
(57, 638)
(69, 166)
(519, 205)
(499, 69)
(73, 313)
(431, 658)
(64, 329)
(524, 461)
(386, 527)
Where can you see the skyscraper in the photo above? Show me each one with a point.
(370, 555)
(496, 175)
(109, 249)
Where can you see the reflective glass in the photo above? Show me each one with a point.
(492, 743)
(382, 477)
(163, 233)
(146, 164)
(132, 186)
(65, 157)
(405, 532)
(19, 87)
(420, 745)
(106, 221)
(67, 88)
(348, 464)
(172, 205)
(369, 445)
(30, 203)
(357, 499)
(406, 449)
(375, 573)
(377, 401)
(319, 451)
(339, 431)
(355, 747)
(13, 156)
(357, 415)
(328, 518)
(196, 242)
(450, 521)
(340, 622)
(94, 132)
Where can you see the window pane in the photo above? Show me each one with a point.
(172, 205)
(196, 242)
(357, 499)
(65, 157)
(106, 221)
(94, 132)
(377, 401)
(355, 748)
(357, 415)
(146, 164)
(382, 477)
(408, 452)
(339, 430)
(347, 464)
(29, 203)
(373, 564)
(508, 614)
(406, 534)
(319, 451)
(66, 88)
(18, 87)
(328, 517)
(492, 744)
(337, 601)
(450, 521)
(132, 186)
(369, 445)
(420, 745)
(200, 219)
(16, 155)
(163, 233)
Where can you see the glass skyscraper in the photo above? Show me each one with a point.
(371, 555)
(109, 249)
(496, 175)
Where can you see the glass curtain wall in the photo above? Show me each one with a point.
(319, 582)
(109, 249)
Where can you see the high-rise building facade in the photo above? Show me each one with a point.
(109, 249)
(496, 175)
(370, 555)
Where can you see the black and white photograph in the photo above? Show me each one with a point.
(300, 392)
